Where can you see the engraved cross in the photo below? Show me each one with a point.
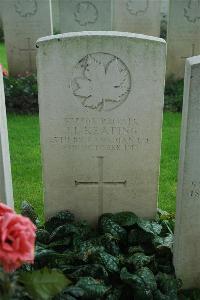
(29, 50)
(100, 183)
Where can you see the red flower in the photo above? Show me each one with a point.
(5, 209)
(5, 72)
(17, 240)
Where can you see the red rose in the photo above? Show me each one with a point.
(5, 209)
(17, 240)
(4, 71)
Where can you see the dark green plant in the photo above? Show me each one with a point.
(174, 94)
(125, 257)
(21, 94)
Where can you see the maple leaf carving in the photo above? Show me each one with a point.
(137, 7)
(26, 7)
(101, 83)
(192, 12)
(86, 13)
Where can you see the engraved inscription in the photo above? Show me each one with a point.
(101, 81)
(100, 134)
(26, 8)
(192, 11)
(137, 7)
(86, 13)
(100, 182)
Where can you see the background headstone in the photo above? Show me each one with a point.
(81, 15)
(101, 102)
(6, 192)
(139, 16)
(1, 23)
(164, 16)
(183, 37)
(187, 231)
(24, 22)
(55, 16)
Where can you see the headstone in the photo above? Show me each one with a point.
(183, 35)
(81, 15)
(164, 16)
(55, 16)
(187, 231)
(1, 23)
(24, 22)
(139, 16)
(101, 101)
(6, 192)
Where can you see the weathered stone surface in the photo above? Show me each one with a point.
(183, 38)
(187, 231)
(164, 14)
(24, 22)
(139, 16)
(101, 101)
(55, 16)
(81, 15)
(6, 192)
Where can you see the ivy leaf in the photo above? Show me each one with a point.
(125, 218)
(149, 226)
(59, 219)
(44, 284)
(139, 260)
(143, 282)
(110, 262)
(163, 243)
(106, 225)
(93, 289)
(28, 211)
(92, 270)
(70, 293)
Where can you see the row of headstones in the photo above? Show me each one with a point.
(27, 20)
(101, 103)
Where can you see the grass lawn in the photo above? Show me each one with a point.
(26, 161)
(3, 58)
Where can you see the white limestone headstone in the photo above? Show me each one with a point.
(139, 16)
(24, 22)
(81, 15)
(187, 230)
(183, 37)
(6, 192)
(101, 102)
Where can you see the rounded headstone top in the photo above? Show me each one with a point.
(102, 34)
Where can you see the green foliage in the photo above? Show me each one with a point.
(28, 211)
(174, 94)
(21, 94)
(125, 257)
(44, 284)
(92, 288)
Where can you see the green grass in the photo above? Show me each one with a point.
(26, 160)
(169, 161)
(3, 58)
